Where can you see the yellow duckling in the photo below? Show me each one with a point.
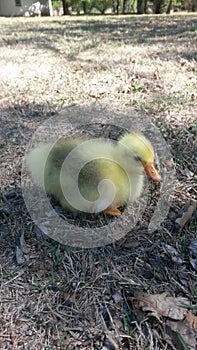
(94, 175)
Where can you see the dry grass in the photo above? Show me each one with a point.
(63, 298)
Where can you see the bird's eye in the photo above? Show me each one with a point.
(137, 158)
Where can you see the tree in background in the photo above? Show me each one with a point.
(159, 6)
(169, 7)
(140, 7)
(124, 6)
(65, 5)
(100, 5)
(192, 5)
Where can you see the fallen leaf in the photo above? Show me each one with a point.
(192, 320)
(157, 74)
(22, 251)
(173, 339)
(98, 95)
(185, 331)
(116, 296)
(109, 343)
(23, 246)
(185, 215)
(77, 68)
(193, 248)
(162, 305)
(20, 259)
(193, 263)
(193, 254)
(186, 172)
(173, 253)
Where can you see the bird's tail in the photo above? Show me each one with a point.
(36, 161)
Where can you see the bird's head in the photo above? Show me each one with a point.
(143, 152)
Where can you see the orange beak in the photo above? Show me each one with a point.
(152, 172)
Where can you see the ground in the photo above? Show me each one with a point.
(57, 297)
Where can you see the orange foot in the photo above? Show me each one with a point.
(66, 209)
(114, 211)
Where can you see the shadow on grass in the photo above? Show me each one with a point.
(90, 33)
(75, 288)
(20, 121)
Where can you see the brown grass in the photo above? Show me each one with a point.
(57, 297)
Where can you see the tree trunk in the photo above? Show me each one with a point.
(169, 7)
(145, 5)
(132, 6)
(113, 6)
(194, 6)
(65, 8)
(158, 5)
(84, 4)
(50, 8)
(140, 7)
(117, 6)
(124, 6)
